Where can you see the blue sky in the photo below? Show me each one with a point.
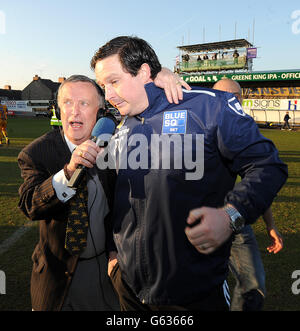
(54, 38)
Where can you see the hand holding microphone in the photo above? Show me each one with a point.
(85, 154)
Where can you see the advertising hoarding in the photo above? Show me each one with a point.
(251, 77)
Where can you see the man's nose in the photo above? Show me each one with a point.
(109, 93)
(75, 108)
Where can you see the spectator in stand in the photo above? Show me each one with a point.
(235, 57)
(199, 61)
(186, 59)
(245, 261)
(205, 58)
(214, 59)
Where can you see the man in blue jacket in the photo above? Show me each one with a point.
(177, 165)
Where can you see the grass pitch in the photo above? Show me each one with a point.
(15, 260)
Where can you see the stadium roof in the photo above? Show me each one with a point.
(229, 44)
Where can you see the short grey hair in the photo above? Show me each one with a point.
(83, 79)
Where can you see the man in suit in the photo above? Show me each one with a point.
(60, 280)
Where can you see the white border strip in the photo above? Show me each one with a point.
(212, 94)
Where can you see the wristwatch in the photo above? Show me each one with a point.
(237, 221)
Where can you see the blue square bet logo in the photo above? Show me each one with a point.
(174, 122)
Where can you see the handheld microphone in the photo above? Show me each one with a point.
(104, 126)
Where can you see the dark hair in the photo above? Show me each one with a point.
(132, 51)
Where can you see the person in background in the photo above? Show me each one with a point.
(286, 122)
(164, 260)
(54, 121)
(235, 56)
(3, 124)
(245, 261)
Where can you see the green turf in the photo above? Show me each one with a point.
(286, 207)
(20, 131)
(16, 262)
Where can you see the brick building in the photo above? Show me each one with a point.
(41, 89)
(38, 89)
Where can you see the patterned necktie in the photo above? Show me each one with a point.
(78, 220)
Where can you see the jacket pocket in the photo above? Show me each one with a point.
(39, 260)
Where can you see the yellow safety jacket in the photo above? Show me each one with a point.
(54, 120)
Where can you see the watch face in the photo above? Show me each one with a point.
(239, 223)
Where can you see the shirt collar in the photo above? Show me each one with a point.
(70, 144)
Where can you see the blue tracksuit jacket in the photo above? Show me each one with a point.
(152, 202)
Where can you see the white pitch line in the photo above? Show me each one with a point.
(7, 243)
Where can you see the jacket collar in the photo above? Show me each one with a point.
(157, 100)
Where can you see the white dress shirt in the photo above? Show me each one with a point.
(60, 182)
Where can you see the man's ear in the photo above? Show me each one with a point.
(145, 73)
